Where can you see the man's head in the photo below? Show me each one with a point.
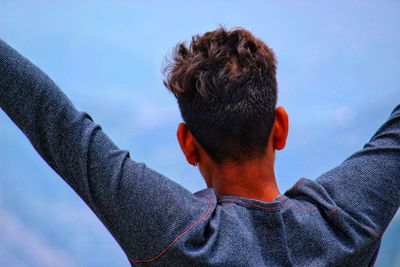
(226, 88)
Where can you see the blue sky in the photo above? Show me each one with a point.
(338, 74)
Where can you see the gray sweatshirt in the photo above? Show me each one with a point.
(336, 220)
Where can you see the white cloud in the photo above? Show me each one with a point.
(343, 116)
(134, 107)
(150, 115)
(26, 241)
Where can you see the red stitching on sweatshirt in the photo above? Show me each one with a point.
(377, 235)
(299, 182)
(251, 205)
(283, 199)
(272, 208)
(372, 231)
(332, 211)
(182, 234)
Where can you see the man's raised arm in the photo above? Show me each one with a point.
(367, 184)
(143, 210)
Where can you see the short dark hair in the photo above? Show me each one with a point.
(226, 88)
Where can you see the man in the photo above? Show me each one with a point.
(226, 88)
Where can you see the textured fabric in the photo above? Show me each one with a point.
(336, 220)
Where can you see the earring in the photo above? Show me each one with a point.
(195, 164)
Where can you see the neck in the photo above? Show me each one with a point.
(253, 179)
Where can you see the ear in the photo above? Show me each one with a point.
(188, 144)
(280, 128)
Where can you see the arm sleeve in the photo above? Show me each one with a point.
(142, 209)
(367, 184)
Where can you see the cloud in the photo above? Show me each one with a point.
(151, 115)
(30, 244)
(343, 116)
(130, 108)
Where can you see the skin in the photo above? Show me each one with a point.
(253, 178)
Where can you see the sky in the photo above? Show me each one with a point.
(338, 78)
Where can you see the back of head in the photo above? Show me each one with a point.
(225, 85)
